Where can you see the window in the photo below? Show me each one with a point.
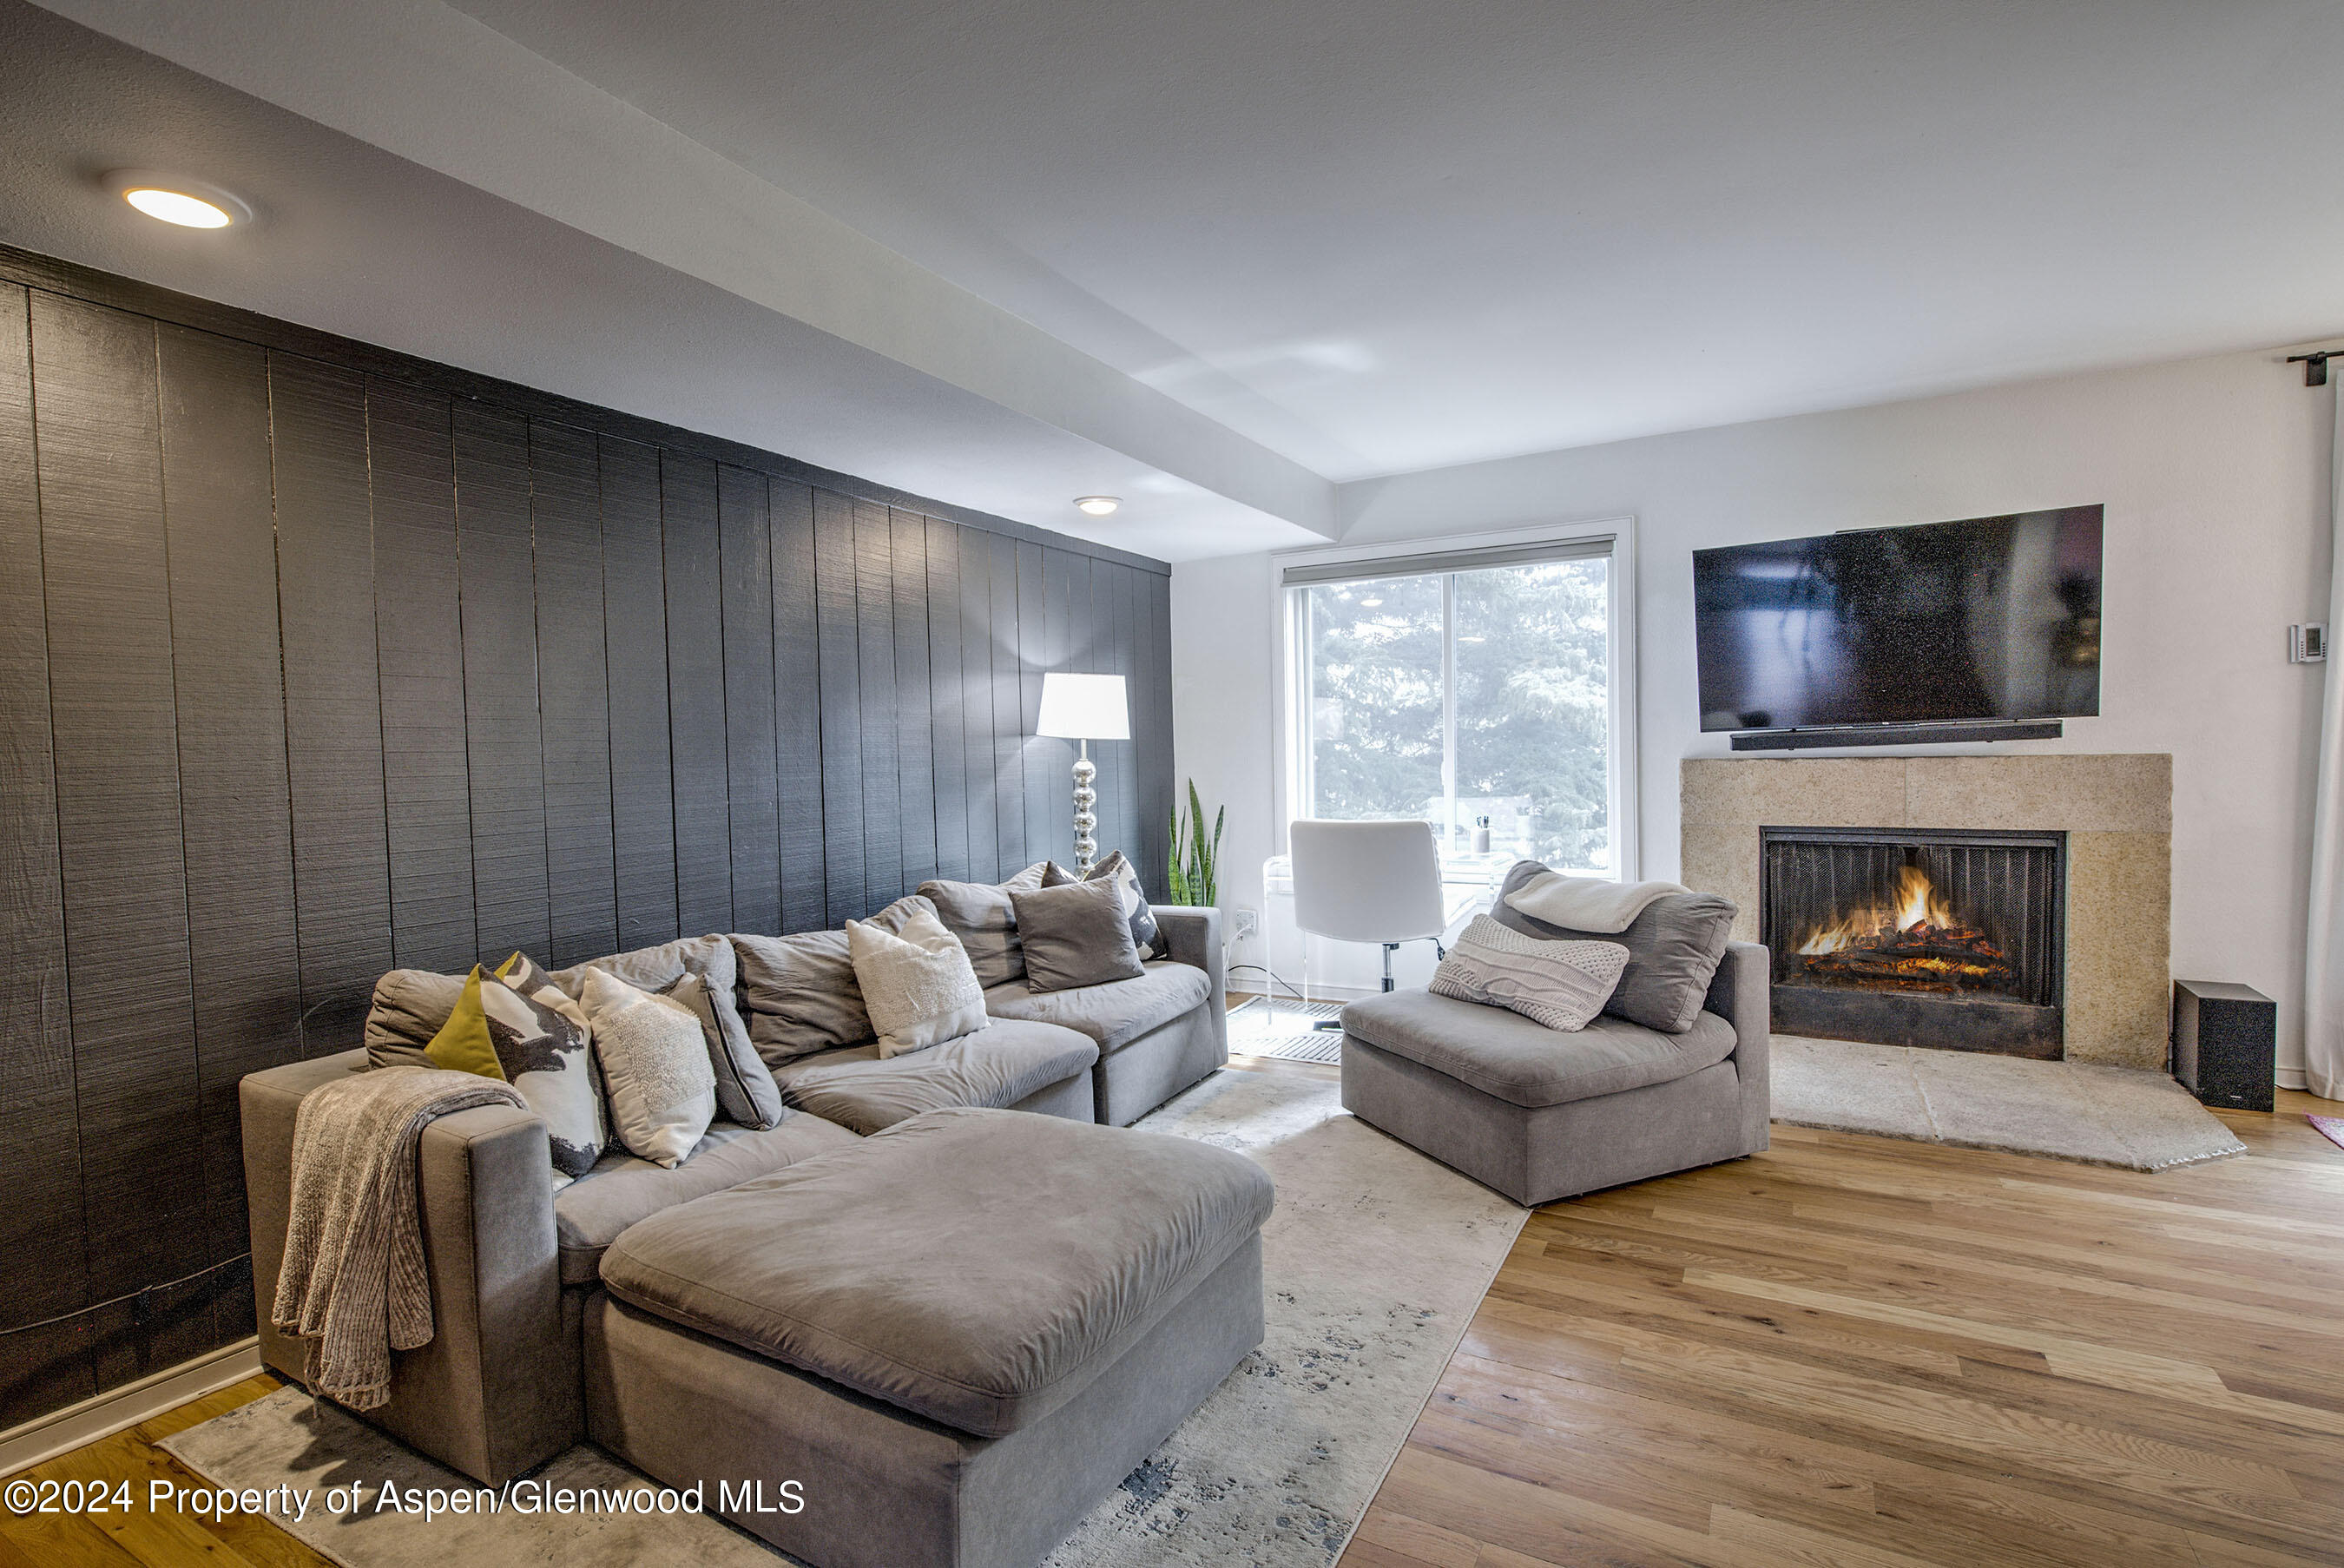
(1467, 688)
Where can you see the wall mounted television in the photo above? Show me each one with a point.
(1983, 619)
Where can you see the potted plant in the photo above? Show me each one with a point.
(1195, 864)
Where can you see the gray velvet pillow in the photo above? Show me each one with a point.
(410, 1006)
(980, 915)
(1673, 949)
(1118, 870)
(799, 991)
(1076, 935)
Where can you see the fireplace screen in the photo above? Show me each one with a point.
(1908, 938)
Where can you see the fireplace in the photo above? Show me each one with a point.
(1912, 936)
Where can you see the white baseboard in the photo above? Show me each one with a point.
(45, 1437)
(2290, 1078)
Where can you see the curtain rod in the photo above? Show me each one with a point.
(2314, 365)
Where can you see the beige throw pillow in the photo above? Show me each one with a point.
(1562, 984)
(918, 986)
(655, 1067)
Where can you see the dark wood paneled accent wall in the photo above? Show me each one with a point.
(314, 662)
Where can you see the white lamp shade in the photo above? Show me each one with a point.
(1084, 708)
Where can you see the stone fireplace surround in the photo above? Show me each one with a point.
(2116, 811)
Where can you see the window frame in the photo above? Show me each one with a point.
(1289, 764)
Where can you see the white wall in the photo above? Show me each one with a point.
(2214, 473)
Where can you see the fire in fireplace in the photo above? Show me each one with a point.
(1913, 941)
(1909, 937)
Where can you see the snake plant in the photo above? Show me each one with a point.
(1196, 868)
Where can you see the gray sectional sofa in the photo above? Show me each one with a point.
(531, 1352)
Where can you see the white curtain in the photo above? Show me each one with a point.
(2323, 972)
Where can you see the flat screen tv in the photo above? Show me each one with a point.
(1987, 618)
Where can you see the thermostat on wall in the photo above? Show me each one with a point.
(2308, 643)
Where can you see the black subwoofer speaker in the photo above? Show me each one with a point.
(2224, 1043)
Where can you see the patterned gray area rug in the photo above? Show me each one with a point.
(1373, 1263)
(2067, 1111)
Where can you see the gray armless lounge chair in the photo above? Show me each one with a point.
(1670, 1076)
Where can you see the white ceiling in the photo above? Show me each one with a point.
(1357, 236)
(1384, 235)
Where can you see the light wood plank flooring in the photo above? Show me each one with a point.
(1851, 1350)
(1846, 1351)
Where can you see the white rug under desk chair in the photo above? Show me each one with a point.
(1373, 1263)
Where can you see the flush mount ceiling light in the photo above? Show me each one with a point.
(1097, 505)
(189, 203)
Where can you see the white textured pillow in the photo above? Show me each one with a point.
(918, 986)
(655, 1067)
(1562, 985)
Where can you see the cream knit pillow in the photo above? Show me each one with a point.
(1562, 984)
(655, 1068)
(918, 986)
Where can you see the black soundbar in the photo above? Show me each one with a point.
(1897, 735)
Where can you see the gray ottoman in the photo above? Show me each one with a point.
(956, 1335)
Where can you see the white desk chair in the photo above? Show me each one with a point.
(1368, 882)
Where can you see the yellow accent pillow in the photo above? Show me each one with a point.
(462, 1044)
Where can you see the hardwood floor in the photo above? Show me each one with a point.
(1846, 1351)
(118, 1539)
(1851, 1351)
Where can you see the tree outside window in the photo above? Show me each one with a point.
(1451, 696)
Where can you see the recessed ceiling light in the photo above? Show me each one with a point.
(190, 204)
(1098, 505)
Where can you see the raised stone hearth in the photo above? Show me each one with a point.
(2117, 811)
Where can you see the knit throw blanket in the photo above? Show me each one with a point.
(354, 1284)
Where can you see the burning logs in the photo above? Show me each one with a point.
(1916, 943)
(1921, 958)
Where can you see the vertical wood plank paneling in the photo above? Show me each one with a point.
(975, 554)
(1008, 710)
(634, 637)
(1131, 832)
(948, 700)
(419, 630)
(573, 693)
(1155, 653)
(40, 1141)
(503, 737)
(1147, 755)
(916, 773)
(333, 696)
(305, 674)
(1095, 633)
(1084, 654)
(797, 688)
(750, 724)
(229, 694)
(105, 562)
(842, 707)
(874, 617)
(1064, 581)
(695, 688)
(1045, 785)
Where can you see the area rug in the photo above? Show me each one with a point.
(1373, 1263)
(2330, 1127)
(2065, 1110)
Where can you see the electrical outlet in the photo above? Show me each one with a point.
(1242, 924)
